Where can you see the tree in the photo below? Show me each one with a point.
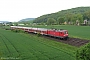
(60, 20)
(83, 53)
(16, 23)
(51, 21)
(68, 17)
(9, 23)
(80, 18)
(87, 15)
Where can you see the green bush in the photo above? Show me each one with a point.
(83, 53)
(38, 34)
(17, 30)
(21, 31)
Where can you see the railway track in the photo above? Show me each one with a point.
(71, 41)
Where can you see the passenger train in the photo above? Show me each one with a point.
(62, 34)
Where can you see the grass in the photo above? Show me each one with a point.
(29, 47)
(74, 31)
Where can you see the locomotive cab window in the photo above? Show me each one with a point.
(65, 32)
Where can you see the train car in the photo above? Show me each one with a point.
(13, 27)
(34, 30)
(42, 31)
(17, 27)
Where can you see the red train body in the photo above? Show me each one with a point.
(43, 31)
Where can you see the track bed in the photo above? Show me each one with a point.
(71, 41)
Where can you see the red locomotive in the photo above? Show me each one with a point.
(63, 34)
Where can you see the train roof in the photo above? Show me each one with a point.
(58, 30)
(42, 29)
(22, 27)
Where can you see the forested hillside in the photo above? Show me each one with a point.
(27, 19)
(68, 16)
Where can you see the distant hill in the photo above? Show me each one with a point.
(65, 14)
(4, 21)
(27, 19)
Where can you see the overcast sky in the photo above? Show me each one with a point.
(15, 10)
